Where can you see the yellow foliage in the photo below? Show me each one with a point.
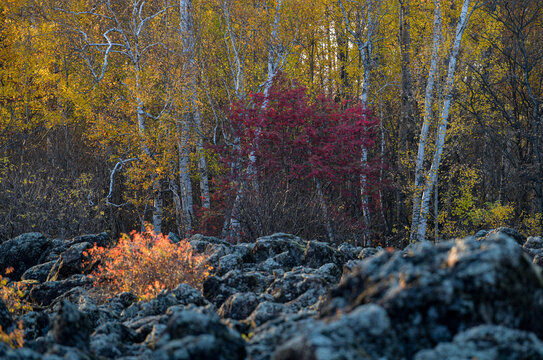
(12, 296)
(15, 338)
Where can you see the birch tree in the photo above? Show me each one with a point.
(277, 54)
(422, 199)
(190, 117)
(368, 17)
(124, 31)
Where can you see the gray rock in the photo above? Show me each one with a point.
(196, 335)
(295, 283)
(218, 288)
(229, 262)
(201, 243)
(45, 293)
(101, 240)
(111, 339)
(38, 272)
(367, 252)
(266, 311)
(7, 353)
(269, 246)
(487, 342)
(499, 233)
(23, 252)
(238, 306)
(174, 238)
(36, 324)
(331, 272)
(318, 253)
(533, 242)
(433, 292)
(187, 295)
(69, 263)
(71, 327)
(349, 251)
(363, 334)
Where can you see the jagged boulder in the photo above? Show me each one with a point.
(39, 272)
(101, 240)
(289, 249)
(218, 288)
(266, 311)
(238, 306)
(70, 262)
(110, 340)
(45, 293)
(433, 292)
(487, 342)
(198, 335)
(71, 327)
(23, 252)
(500, 233)
(363, 334)
(318, 253)
(534, 247)
(293, 285)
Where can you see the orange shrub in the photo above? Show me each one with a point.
(146, 263)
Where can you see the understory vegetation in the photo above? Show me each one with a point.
(145, 264)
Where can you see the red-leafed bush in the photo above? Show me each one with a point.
(144, 264)
(289, 144)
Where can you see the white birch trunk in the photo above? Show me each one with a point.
(185, 184)
(431, 177)
(366, 53)
(186, 25)
(427, 120)
(274, 62)
(232, 226)
(202, 163)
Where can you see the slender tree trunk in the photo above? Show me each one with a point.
(426, 121)
(366, 53)
(275, 57)
(443, 121)
(186, 26)
(202, 163)
(183, 131)
(407, 103)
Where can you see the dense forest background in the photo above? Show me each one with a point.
(180, 113)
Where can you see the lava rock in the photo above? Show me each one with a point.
(44, 294)
(198, 335)
(23, 252)
(487, 342)
(71, 327)
(238, 306)
(318, 253)
(433, 292)
(39, 272)
(269, 246)
(363, 334)
(69, 263)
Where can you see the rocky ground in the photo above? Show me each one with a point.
(284, 298)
